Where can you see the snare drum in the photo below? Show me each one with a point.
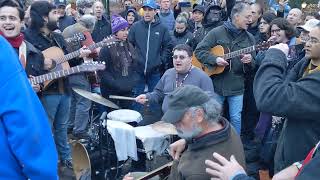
(125, 115)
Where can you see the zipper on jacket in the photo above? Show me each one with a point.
(147, 54)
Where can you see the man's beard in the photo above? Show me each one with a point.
(52, 25)
(189, 135)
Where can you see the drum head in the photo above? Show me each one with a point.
(81, 162)
(125, 115)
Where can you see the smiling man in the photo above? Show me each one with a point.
(11, 22)
(229, 85)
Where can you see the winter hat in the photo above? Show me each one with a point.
(118, 23)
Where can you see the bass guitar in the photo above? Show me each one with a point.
(46, 79)
(225, 53)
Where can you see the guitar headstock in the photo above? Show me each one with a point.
(92, 66)
(78, 37)
(110, 40)
(263, 46)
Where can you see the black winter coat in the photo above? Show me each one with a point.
(294, 97)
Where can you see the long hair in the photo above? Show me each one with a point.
(38, 10)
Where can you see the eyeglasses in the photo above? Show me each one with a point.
(313, 41)
(182, 57)
(275, 30)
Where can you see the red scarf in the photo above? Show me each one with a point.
(16, 41)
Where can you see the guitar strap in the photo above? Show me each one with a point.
(23, 54)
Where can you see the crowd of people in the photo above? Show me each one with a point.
(250, 106)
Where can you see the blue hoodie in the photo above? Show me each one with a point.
(27, 148)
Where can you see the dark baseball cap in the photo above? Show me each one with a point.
(199, 8)
(181, 99)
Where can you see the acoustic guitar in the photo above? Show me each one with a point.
(225, 53)
(46, 79)
(59, 60)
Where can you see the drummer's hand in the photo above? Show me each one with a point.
(177, 148)
(128, 177)
(142, 99)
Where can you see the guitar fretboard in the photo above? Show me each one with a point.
(54, 75)
(239, 52)
(75, 54)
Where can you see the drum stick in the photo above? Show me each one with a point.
(122, 97)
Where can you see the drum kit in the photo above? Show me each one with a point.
(98, 157)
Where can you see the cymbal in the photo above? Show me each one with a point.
(96, 98)
(164, 127)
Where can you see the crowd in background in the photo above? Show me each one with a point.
(139, 63)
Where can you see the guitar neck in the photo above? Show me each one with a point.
(239, 52)
(75, 54)
(54, 75)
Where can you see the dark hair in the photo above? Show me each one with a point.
(238, 8)
(14, 4)
(268, 17)
(183, 47)
(38, 10)
(283, 24)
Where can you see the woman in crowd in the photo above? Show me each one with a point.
(119, 77)
(180, 34)
(264, 27)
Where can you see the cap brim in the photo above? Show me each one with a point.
(305, 28)
(173, 116)
(148, 7)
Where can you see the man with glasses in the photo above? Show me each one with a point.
(183, 73)
(294, 95)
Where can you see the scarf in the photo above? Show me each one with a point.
(18, 43)
(310, 69)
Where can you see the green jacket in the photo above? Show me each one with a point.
(191, 164)
(231, 81)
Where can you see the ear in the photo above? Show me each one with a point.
(46, 19)
(199, 115)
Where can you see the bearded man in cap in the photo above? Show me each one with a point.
(197, 119)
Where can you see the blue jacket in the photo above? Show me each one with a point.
(27, 148)
(152, 43)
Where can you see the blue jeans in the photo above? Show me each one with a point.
(151, 80)
(80, 106)
(235, 108)
(57, 107)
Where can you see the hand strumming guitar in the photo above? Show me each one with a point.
(221, 62)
